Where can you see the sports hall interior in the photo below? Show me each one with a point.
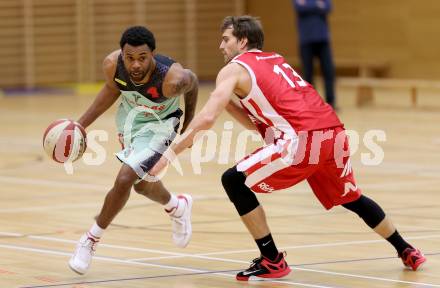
(387, 61)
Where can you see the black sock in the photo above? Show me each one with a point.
(267, 247)
(397, 241)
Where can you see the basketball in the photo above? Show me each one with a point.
(65, 140)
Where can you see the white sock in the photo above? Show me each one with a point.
(96, 231)
(172, 204)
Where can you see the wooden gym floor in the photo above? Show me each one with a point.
(44, 210)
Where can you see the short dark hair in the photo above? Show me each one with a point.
(246, 27)
(136, 36)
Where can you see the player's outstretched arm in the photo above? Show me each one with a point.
(108, 94)
(226, 82)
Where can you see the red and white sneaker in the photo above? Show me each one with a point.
(82, 257)
(265, 268)
(181, 220)
(413, 258)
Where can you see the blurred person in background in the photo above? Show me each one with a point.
(314, 42)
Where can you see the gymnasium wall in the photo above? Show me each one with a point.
(400, 33)
(47, 42)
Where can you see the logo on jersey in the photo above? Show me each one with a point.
(347, 169)
(265, 187)
(153, 92)
(136, 98)
(121, 82)
(267, 57)
(349, 187)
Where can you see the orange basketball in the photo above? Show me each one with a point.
(65, 140)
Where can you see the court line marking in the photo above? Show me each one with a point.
(52, 183)
(368, 277)
(64, 207)
(95, 187)
(91, 186)
(101, 188)
(169, 276)
(98, 204)
(204, 255)
(121, 261)
(11, 234)
(74, 185)
(130, 261)
(319, 245)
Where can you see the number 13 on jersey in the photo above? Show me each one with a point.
(291, 80)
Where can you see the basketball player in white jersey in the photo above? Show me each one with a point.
(148, 86)
(305, 140)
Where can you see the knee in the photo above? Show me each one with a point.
(367, 209)
(143, 188)
(240, 195)
(123, 183)
(231, 181)
(139, 189)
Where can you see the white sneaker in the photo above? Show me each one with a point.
(182, 230)
(82, 257)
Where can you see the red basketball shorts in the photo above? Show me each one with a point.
(322, 157)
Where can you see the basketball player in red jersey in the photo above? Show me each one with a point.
(304, 138)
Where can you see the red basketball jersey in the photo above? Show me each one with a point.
(280, 98)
